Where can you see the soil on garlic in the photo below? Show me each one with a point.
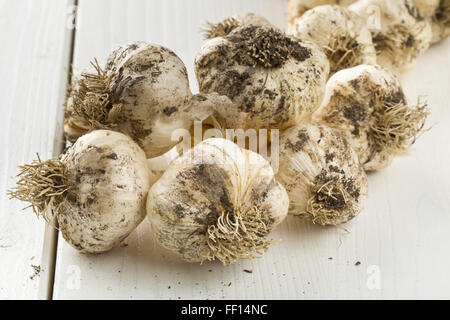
(216, 201)
(141, 91)
(402, 34)
(321, 174)
(341, 33)
(273, 79)
(368, 104)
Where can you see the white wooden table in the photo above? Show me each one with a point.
(399, 247)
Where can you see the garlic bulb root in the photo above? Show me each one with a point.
(329, 203)
(44, 185)
(237, 235)
(321, 174)
(216, 201)
(343, 52)
(92, 99)
(340, 32)
(224, 27)
(397, 126)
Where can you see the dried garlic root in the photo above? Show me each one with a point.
(224, 27)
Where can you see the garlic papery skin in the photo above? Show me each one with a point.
(216, 201)
(368, 105)
(298, 7)
(440, 21)
(321, 174)
(142, 91)
(341, 33)
(96, 191)
(73, 128)
(274, 80)
(399, 32)
(224, 27)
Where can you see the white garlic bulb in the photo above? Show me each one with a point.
(274, 80)
(368, 105)
(216, 201)
(400, 36)
(142, 92)
(298, 7)
(96, 191)
(340, 32)
(321, 174)
(227, 25)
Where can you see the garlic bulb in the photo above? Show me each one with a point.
(96, 191)
(227, 25)
(274, 80)
(401, 35)
(440, 21)
(368, 105)
(216, 201)
(340, 32)
(322, 175)
(298, 7)
(142, 92)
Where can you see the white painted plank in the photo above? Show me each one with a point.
(33, 62)
(104, 24)
(401, 235)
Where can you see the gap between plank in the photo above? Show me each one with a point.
(50, 246)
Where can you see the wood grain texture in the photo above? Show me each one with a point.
(401, 238)
(35, 46)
